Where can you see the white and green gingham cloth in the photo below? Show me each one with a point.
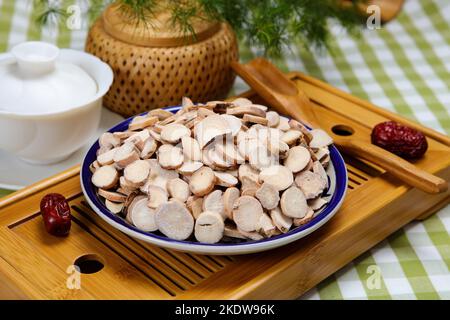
(404, 67)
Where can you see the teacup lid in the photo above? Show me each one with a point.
(34, 81)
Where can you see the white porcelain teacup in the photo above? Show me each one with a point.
(48, 136)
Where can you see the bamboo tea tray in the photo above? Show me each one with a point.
(35, 265)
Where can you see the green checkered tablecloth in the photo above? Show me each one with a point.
(404, 67)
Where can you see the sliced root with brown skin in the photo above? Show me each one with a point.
(229, 153)
(105, 177)
(229, 197)
(178, 189)
(170, 157)
(173, 132)
(282, 222)
(112, 196)
(137, 172)
(240, 102)
(291, 137)
(174, 220)
(297, 159)
(251, 110)
(311, 184)
(141, 122)
(190, 167)
(108, 140)
(161, 114)
(202, 181)
(268, 195)
(293, 203)
(252, 235)
(132, 199)
(195, 205)
(307, 218)
(246, 213)
(233, 232)
(143, 217)
(283, 124)
(139, 139)
(317, 203)
(273, 119)
(320, 139)
(294, 124)
(260, 158)
(249, 186)
(156, 196)
(125, 154)
(214, 202)
(209, 227)
(245, 170)
(278, 176)
(149, 148)
(254, 119)
(318, 169)
(209, 128)
(191, 148)
(94, 166)
(114, 207)
(266, 227)
(107, 157)
(234, 123)
(224, 179)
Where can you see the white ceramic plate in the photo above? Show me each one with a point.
(336, 171)
(16, 173)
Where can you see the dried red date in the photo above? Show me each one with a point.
(401, 140)
(56, 214)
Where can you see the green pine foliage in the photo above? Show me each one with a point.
(269, 25)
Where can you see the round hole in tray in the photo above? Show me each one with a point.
(89, 263)
(342, 130)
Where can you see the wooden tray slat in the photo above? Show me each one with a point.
(33, 264)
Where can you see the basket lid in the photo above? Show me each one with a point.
(159, 33)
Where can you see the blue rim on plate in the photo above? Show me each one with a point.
(95, 202)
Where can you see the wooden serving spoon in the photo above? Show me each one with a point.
(285, 97)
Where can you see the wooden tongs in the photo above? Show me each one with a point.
(285, 97)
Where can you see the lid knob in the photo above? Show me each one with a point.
(35, 57)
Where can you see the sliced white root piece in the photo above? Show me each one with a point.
(325, 161)
(273, 118)
(139, 138)
(307, 218)
(141, 122)
(320, 139)
(311, 184)
(195, 205)
(123, 135)
(173, 132)
(190, 167)
(294, 124)
(251, 110)
(142, 216)
(114, 207)
(125, 155)
(282, 222)
(229, 197)
(253, 235)
(107, 157)
(161, 114)
(291, 136)
(266, 227)
(228, 152)
(149, 148)
(268, 195)
(209, 128)
(246, 145)
(105, 177)
(220, 161)
(278, 176)
(191, 148)
(246, 213)
(94, 166)
(297, 159)
(108, 140)
(112, 196)
(178, 189)
(174, 220)
(233, 232)
(240, 102)
(214, 202)
(224, 179)
(283, 124)
(317, 203)
(137, 172)
(157, 171)
(245, 170)
(170, 157)
(156, 196)
(260, 158)
(155, 135)
(131, 202)
(202, 181)
(209, 227)
(234, 123)
(293, 203)
(254, 119)
(318, 169)
(322, 153)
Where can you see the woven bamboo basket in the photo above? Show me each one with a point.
(155, 66)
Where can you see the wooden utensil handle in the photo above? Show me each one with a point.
(395, 165)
